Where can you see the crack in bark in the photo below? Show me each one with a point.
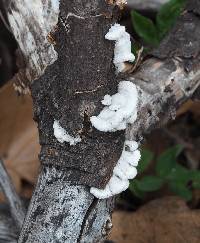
(91, 207)
(88, 91)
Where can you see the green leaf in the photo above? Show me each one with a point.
(145, 28)
(168, 14)
(179, 174)
(149, 183)
(135, 190)
(135, 48)
(196, 185)
(195, 177)
(167, 160)
(146, 158)
(181, 190)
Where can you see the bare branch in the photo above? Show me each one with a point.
(35, 51)
(8, 230)
(164, 85)
(16, 205)
(146, 5)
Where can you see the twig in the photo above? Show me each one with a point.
(16, 206)
(8, 230)
(176, 137)
(146, 4)
(5, 22)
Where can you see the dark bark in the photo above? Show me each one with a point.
(71, 90)
(183, 40)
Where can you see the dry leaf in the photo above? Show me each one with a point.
(19, 144)
(193, 106)
(166, 220)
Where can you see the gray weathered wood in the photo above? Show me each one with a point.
(31, 21)
(61, 212)
(8, 230)
(146, 5)
(15, 203)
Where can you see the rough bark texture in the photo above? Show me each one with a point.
(62, 212)
(183, 40)
(164, 86)
(71, 90)
(31, 21)
(61, 209)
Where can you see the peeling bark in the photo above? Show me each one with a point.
(164, 86)
(31, 22)
(62, 208)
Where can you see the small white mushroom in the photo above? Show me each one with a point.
(62, 136)
(124, 170)
(122, 51)
(120, 109)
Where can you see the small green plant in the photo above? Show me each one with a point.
(168, 172)
(152, 33)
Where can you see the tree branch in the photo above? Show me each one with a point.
(35, 52)
(146, 5)
(8, 231)
(164, 86)
(16, 206)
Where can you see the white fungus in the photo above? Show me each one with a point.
(122, 173)
(122, 51)
(62, 136)
(120, 109)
